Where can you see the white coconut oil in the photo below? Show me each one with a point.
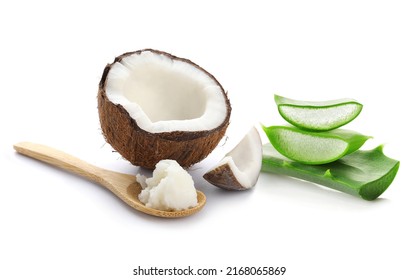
(171, 188)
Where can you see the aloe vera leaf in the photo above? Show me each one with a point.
(314, 147)
(318, 116)
(365, 174)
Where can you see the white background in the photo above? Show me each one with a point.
(55, 225)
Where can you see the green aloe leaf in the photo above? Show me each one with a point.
(314, 147)
(318, 116)
(366, 174)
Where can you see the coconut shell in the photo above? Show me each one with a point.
(223, 177)
(146, 149)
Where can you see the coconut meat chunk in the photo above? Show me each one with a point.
(243, 161)
(163, 94)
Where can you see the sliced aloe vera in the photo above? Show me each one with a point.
(318, 116)
(314, 147)
(366, 174)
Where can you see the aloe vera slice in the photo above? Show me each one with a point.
(318, 116)
(365, 174)
(314, 147)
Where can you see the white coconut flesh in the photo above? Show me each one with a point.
(244, 160)
(163, 94)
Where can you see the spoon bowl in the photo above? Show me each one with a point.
(122, 185)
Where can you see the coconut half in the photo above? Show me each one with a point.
(240, 168)
(153, 106)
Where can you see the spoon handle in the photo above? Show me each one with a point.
(61, 160)
(122, 185)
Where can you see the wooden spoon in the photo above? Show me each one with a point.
(122, 185)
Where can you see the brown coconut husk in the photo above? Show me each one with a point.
(223, 177)
(146, 149)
